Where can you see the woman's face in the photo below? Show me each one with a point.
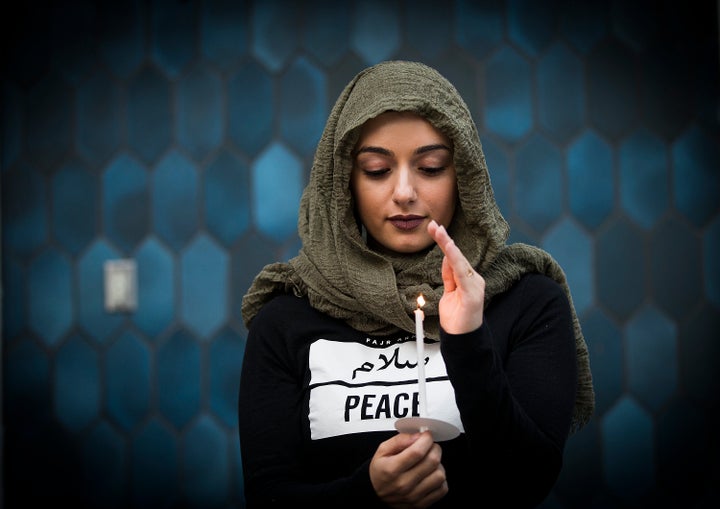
(403, 176)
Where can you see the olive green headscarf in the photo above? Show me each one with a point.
(377, 293)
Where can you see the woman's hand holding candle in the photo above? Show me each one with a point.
(461, 306)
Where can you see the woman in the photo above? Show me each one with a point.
(399, 205)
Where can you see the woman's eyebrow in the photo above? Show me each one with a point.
(374, 150)
(386, 152)
(430, 148)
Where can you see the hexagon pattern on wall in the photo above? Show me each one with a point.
(181, 135)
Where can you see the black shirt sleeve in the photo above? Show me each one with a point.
(515, 381)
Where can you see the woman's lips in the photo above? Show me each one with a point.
(406, 222)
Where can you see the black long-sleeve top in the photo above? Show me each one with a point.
(317, 397)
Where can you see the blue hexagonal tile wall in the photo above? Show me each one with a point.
(181, 135)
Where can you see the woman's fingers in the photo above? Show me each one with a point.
(448, 275)
(456, 261)
(406, 471)
(461, 306)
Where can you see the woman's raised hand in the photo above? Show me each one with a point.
(461, 306)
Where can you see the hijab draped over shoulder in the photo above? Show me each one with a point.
(376, 293)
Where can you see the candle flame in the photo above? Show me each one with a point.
(420, 301)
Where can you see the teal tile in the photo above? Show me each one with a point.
(98, 323)
(531, 25)
(50, 296)
(652, 379)
(224, 31)
(325, 31)
(126, 202)
(179, 378)
(226, 356)
(247, 259)
(49, 122)
(24, 214)
(628, 453)
(668, 82)
(376, 31)
(644, 191)
(227, 197)
(100, 118)
(77, 384)
(128, 383)
(251, 108)
(174, 34)
(341, 73)
(612, 102)
(275, 32)
(302, 111)
(149, 114)
(175, 203)
(200, 112)
(157, 301)
(696, 179)
(122, 28)
(508, 95)
(591, 182)
(479, 26)
(154, 463)
(429, 42)
(100, 100)
(538, 183)
(277, 184)
(561, 92)
(205, 464)
(583, 24)
(74, 206)
(674, 268)
(204, 269)
(620, 268)
(573, 249)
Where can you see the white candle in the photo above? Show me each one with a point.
(420, 341)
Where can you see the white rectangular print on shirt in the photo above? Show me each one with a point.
(357, 388)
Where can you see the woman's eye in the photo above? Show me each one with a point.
(376, 173)
(429, 170)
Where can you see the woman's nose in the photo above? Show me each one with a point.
(404, 191)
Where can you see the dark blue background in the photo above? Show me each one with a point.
(180, 134)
